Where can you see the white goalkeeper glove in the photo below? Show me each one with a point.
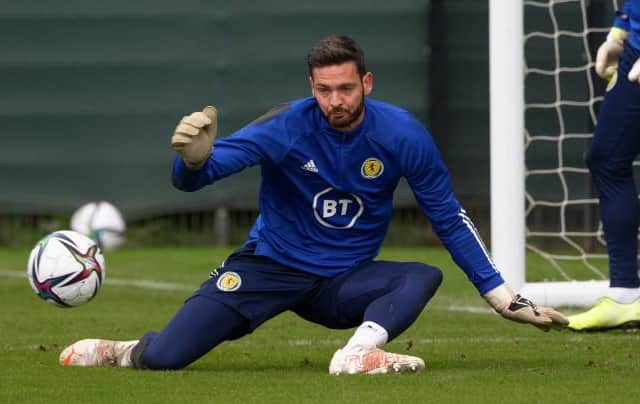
(193, 137)
(517, 308)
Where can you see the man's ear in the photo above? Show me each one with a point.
(311, 84)
(367, 83)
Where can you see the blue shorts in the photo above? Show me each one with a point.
(259, 288)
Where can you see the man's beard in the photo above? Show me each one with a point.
(347, 118)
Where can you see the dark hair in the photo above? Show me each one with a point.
(335, 50)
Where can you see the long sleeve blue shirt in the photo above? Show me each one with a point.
(326, 196)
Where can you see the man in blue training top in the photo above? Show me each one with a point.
(330, 164)
(614, 147)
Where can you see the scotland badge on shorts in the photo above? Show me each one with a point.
(229, 281)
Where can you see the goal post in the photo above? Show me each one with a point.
(511, 137)
(506, 93)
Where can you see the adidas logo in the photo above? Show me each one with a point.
(310, 166)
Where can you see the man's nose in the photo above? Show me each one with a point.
(335, 100)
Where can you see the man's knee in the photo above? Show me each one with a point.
(594, 160)
(602, 166)
(428, 277)
(598, 162)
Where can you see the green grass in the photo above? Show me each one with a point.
(472, 357)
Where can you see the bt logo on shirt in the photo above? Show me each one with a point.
(337, 210)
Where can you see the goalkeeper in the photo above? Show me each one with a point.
(615, 144)
(330, 164)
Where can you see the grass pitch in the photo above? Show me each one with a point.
(472, 355)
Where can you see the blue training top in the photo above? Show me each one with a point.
(628, 18)
(326, 196)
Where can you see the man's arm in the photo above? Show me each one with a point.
(201, 162)
(429, 179)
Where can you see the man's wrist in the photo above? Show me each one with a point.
(196, 165)
(499, 297)
(193, 166)
(617, 34)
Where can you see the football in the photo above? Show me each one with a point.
(66, 268)
(100, 221)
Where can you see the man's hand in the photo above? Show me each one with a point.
(193, 137)
(517, 308)
(609, 53)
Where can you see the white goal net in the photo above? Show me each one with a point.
(566, 260)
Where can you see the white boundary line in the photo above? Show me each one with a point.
(140, 283)
(171, 286)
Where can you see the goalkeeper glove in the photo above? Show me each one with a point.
(517, 308)
(609, 53)
(193, 137)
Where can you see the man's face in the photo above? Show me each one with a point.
(340, 93)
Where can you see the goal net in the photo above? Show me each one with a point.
(554, 42)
